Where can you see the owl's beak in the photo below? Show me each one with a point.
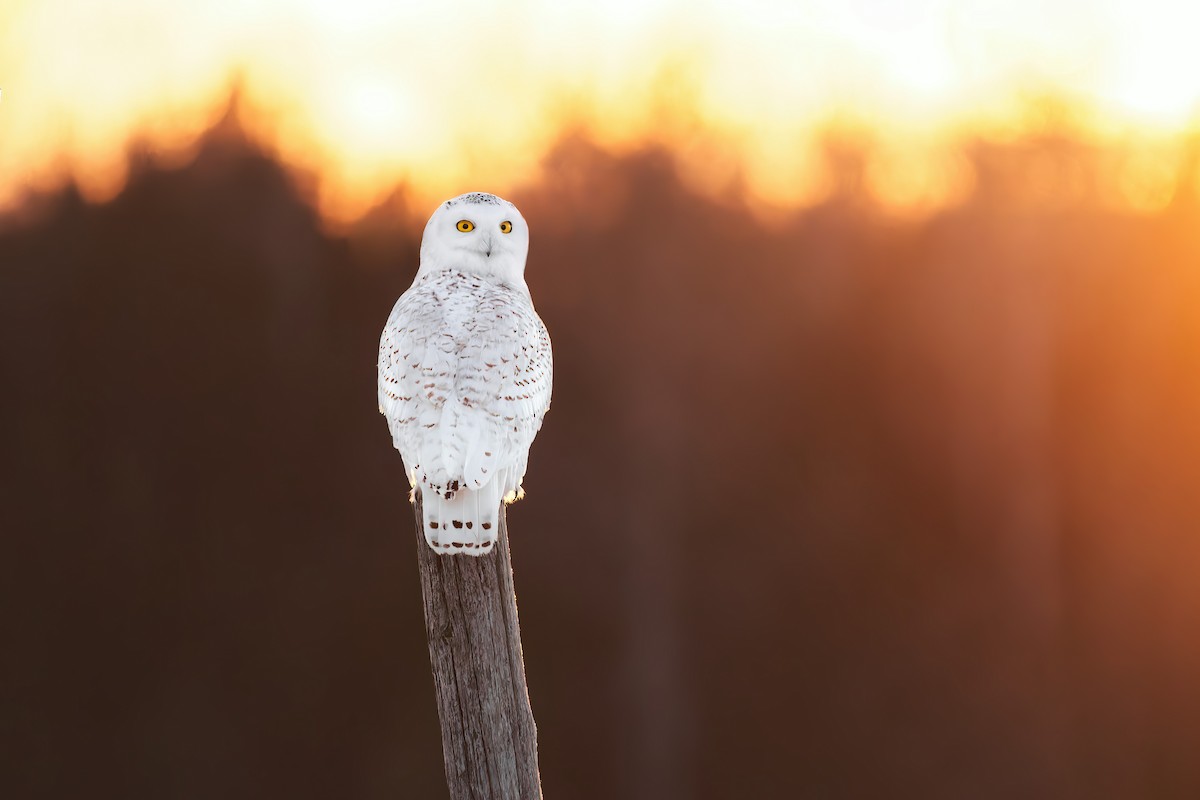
(487, 247)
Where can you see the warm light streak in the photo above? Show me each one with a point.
(450, 96)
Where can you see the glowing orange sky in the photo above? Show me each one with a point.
(451, 96)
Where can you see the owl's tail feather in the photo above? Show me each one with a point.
(466, 522)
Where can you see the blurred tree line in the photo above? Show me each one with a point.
(832, 505)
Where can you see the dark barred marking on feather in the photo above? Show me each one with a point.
(477, 198)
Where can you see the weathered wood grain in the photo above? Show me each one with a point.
(489, 740)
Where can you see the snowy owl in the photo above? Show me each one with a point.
(465, 370)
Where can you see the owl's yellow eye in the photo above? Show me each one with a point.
(506, 227)
(465, 225)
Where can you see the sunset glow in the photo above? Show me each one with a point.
(444, 97)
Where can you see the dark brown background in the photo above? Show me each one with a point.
(832, 506)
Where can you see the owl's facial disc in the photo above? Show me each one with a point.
(481, 236)
(480, 233)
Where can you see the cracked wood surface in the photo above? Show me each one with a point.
(489, 740)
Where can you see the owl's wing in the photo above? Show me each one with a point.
(406, 362)
(504, 390)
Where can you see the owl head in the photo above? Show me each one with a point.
(478, 233)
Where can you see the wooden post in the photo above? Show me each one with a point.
(489, 740)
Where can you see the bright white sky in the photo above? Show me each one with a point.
(453, 95)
